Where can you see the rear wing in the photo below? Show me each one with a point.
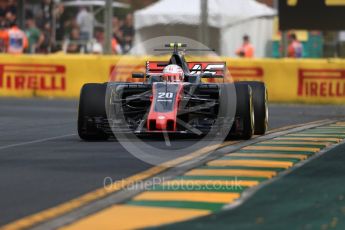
(217, 69)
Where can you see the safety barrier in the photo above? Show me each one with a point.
(288, 80)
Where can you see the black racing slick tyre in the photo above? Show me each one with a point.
(260, 106)
(91, 107)
(227, 109)
(244, 111)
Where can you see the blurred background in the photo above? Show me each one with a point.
(51, 48)
(113, 27)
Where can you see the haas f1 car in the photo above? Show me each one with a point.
(173, 99)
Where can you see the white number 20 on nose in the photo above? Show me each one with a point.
(165, 95)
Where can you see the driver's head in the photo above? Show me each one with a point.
(173, 73)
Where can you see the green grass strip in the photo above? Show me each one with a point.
(179, 204)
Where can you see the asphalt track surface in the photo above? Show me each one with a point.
(43, 163)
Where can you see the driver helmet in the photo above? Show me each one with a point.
(173, 73)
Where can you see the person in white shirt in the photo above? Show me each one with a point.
(85, 21)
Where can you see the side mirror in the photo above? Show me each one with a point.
(138, 75)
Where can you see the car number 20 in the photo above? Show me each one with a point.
(162, 95)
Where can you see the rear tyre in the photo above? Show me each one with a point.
(260, 106)
(243, 127)
(91, 107)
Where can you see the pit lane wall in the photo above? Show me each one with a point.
(288, 80)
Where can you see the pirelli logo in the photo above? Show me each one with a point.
(321, 82)
(32, 77)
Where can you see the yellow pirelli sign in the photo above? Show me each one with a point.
(288, 80)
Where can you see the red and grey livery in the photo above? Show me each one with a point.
(164, 107)
(158, 106)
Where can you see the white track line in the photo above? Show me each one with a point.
(35, 141)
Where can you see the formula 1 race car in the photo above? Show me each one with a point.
(173, 99)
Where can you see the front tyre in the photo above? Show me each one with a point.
(243, 127)
(91, 108)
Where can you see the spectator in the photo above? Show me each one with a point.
(128, 33)
(61, 21)
(47, 10)
(47, 41)
(99, 35)
(34, 35)
(15, 39)
(96, 44)
(96, 48)
(85, 23)
(10, 19)
(3, 6)
(117, 32)
(11, 7)
(3, 40)
(247, 49)
(295, 48)
(70, 24)
(116, 47)
(74, 42)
